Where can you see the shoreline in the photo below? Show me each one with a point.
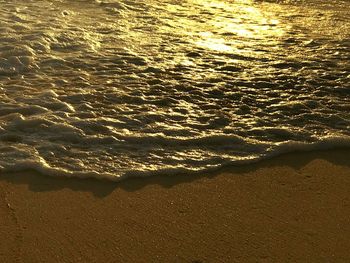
(294, 207)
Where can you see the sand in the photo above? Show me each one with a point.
(293, 208)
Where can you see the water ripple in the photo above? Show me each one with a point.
(120, 88)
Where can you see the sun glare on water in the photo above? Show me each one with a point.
(219, 32)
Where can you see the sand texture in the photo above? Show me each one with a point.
(293, 208)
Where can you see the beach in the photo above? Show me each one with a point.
(174, 131)
(292, 208)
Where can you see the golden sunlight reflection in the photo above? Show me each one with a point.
(247, 21)
(208, 40)
(221, 26)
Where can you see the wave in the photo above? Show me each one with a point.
(40, 165)
(112, 89)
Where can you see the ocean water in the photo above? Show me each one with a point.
(119, 88)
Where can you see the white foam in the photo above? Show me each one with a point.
(36, 163)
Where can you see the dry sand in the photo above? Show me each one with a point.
(294, 208)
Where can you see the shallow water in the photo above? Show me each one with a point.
(141, 87)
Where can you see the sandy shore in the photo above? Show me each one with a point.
(294, 208)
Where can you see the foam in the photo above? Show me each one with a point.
(40, 165)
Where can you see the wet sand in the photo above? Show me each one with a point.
(293, 208)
